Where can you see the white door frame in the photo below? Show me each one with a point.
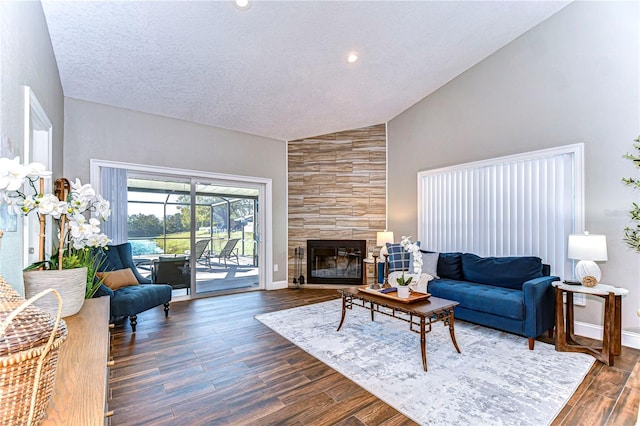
(38, 141)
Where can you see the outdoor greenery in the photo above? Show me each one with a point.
(178, 243)
(211, 213)
(632, 233)
(217, 219)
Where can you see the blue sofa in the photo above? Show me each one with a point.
(130, 301)
(513, 294)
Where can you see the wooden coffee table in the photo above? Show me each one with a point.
(419, 315)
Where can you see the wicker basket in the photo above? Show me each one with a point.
(29, 342)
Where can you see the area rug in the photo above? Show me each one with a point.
(496, 380)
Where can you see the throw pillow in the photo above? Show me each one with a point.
(118, 279)
(429, 263)
(396, 262)
(450, 266)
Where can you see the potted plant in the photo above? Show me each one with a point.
(632, 234)
(403, 282)
(71, 267)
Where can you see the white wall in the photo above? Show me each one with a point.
(96, 131)
(26, 58)
(574, 78)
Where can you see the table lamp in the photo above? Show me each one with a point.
(587, 248)
(382, 238)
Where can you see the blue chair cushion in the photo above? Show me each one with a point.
(508, 272)
(504, 302)
(132, 300)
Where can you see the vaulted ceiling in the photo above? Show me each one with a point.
(278, 69)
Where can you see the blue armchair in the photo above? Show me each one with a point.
(130, 301)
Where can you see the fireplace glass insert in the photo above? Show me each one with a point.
(335, 261)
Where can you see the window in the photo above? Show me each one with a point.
(521, 205)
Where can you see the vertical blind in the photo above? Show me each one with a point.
(114, 189)
(513, 206)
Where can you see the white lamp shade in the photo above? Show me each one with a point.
(382, 238)
(587, 247)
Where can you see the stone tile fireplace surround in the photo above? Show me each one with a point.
(337, 190)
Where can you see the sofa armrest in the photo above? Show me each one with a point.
(539, 305)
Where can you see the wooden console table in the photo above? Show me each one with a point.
(612, 329)
(80, 392)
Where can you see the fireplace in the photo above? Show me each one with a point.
(335, 261)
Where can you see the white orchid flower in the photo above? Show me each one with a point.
(37, 170)
(50, 205)
(12, 174)
(102, 208)
(77, 205)
(14, 206)
(83, 192)
(27, 205)
(79, 232)
(405, 241)
(97, 240)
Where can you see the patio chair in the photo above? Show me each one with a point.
(172, 271)
(202, 254)
(228, 251)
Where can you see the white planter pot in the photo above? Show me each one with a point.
(71, 284)
(403, 291)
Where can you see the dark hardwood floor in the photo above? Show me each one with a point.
(212, 363)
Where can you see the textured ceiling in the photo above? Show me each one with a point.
(278, 69)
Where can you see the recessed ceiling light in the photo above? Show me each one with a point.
(352, 57)
(242, 4)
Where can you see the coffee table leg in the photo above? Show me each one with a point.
(423, 343)
(344, 310)
(371, 307)
(452, 332)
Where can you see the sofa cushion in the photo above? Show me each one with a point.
(396, 261)
(504, 302)
(429, 263)
(509, 272)
(450, 265)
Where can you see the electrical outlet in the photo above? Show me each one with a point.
(275, 267)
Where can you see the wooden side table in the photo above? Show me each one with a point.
(612, 329)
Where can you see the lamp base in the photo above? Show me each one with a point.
(586, 268)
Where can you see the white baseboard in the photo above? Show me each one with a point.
(277, 285)
(593, 331)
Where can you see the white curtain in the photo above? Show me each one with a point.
(114, 189)
(510, 207)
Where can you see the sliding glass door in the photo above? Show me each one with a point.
(227, 253)
(201, 236)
